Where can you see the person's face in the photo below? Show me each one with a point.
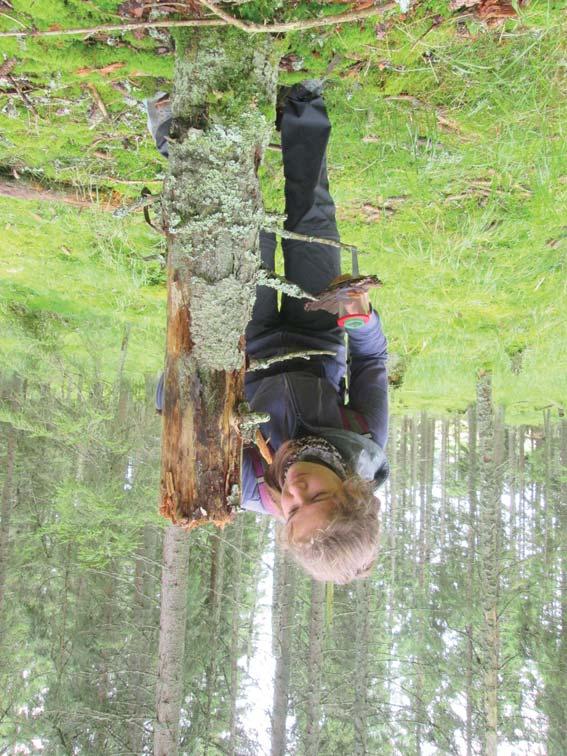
(309, 497)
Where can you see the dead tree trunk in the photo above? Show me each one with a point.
(212, 214)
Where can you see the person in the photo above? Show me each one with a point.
(320, 461)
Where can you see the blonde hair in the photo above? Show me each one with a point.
(346, 549)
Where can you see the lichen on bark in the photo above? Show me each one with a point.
(223, 106)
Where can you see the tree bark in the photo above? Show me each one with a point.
(171, 649)
(283, 657)
(212, 213)
(235, 634)
(316, 629)
(472, 488)
(362, 640)
(489, 558)
(215, 609)
(6, 516)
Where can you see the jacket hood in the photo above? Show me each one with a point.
(362, 454)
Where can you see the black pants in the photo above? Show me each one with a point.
(305, 130)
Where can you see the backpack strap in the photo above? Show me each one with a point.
(354, 421)
(267, 501)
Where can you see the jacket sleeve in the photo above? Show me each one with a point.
(368, 389)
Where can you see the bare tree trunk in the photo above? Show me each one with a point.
(171, 651)
(316, 629)
(394, 477)
(413, 484)
(283, 657)
(472, 474)
(215, 608)
(489, 558)
(6, 516)
(262, 535)
(212, 212)
(362, 639)
(443, 483)
(141, 615)
(512, 477)
(521, 493)
(235, 633)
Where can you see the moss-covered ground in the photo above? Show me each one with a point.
(447, 161)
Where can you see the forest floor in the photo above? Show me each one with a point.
(447, 162)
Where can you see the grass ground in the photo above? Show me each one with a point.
(447, 161)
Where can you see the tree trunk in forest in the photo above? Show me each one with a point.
(443, 484)
(362, 639)
(394, 483)
(141, 615)
(262, 535)
(472, 484)
(556, 673)
(488, 545)
(422, 488)
(413, 489)
(6, 517)
(212, 214)
(171, 651)
(215, 608)
(283, 656)
(278, 575)
(316, 629)
(235, 633)
(521, 493)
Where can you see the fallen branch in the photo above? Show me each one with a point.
(26, 100)
(26, 190)
(262, 363)
(98, 99)
(224, 19)
(139, 204)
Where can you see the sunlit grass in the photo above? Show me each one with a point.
(455, 145)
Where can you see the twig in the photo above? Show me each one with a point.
(313, 239)
(129, 182)
(98, 99)
(261, 364)
(251, 28)
(274, 281)
(141, 202)
(134, 26)
(27, 102)
(29, 191)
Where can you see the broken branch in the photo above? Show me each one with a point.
(29, 190)
(250, 28)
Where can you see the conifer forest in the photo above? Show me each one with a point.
(142, 610)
